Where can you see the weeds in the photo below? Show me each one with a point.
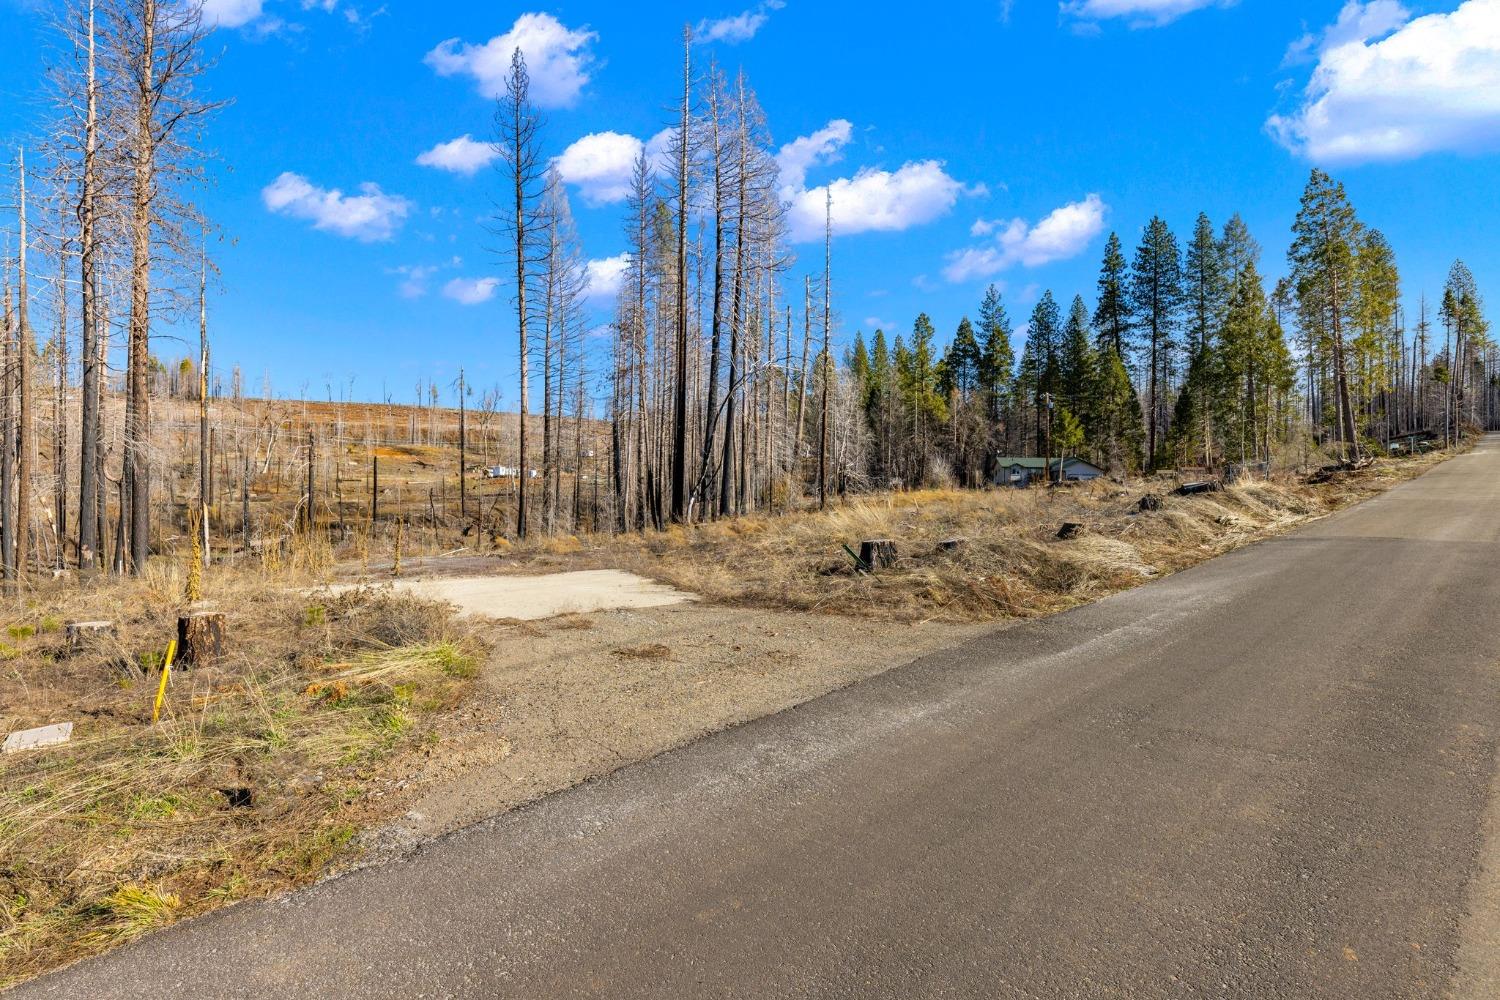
(1011, 564)
(132, 826)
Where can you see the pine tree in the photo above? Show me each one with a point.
(964, 359)
(859, 364)
(997, 362)
(1112, 315)
(1206, 293)
(1156, 304)
(1322, 256)
(1077, 365)
(1375, 345)
(1118, 432)
(1039, 362)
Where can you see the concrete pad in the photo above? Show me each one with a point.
(39, 738)
(530, 598)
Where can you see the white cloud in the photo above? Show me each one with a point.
(243, 13)
(558, 59)
(1064, 233)
(369, 216)
(600, 166)
(823, 146)
(739, 28)
(471, 291)
(876, 200)
(1430, 85)
(659, 151)
(231, 13)
(415, 278)
(604, 277)
(460, 156)
(1356, 23)
(1142, 13)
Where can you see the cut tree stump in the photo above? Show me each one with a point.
(86, 635)
(952, 544)
(200, 638)
(1070, 530)
(878, 553)
(1150, 502)
(1201, 486)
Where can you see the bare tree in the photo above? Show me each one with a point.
(680, 400)
(518, 127)
(156, 53)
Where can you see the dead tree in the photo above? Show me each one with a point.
(157, 50)
(518, 127)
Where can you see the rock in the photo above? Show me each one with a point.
(39, 738)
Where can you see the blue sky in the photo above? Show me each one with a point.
(965, 143)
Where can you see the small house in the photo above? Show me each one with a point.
(1021, 472)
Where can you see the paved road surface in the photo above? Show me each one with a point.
(1263, 778)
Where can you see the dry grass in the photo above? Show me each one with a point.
(1010, 562)
(252, 782)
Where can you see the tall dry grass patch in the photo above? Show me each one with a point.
(254, 779)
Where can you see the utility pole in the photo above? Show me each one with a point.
(1047, 459)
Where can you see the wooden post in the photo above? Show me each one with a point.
(374, 490)
(200, 638)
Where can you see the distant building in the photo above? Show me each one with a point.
(1021, 472)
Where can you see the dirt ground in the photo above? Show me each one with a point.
(575, 697)
(531, 598)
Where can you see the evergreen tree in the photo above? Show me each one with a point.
(1375, 346)
(1112, 314)
(1326, 234)
(878, 381)
(1039, 361)
(1156, 304)
(1118, 431)
(997, 360)
(1206, 295)
(1076, 365)
(964, 359)
(858, 363)
(1240, 251)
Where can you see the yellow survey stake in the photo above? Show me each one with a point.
(161, 689)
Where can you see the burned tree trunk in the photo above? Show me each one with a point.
(200, 638)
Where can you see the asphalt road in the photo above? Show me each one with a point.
(1265, 777)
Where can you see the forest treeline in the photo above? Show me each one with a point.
(727, 383)
(730, 388)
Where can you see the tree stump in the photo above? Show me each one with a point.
(952, 544)
(877, 553)
(87, 635)
(1070, 530)
(200, 638)
(1150, 501)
